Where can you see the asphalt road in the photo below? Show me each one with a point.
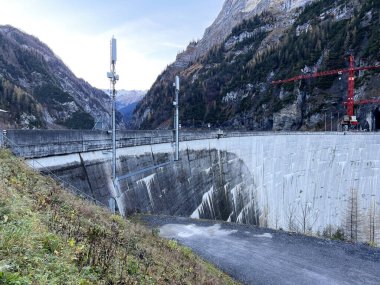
(262, 256)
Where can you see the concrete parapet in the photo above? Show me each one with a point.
(44, 143)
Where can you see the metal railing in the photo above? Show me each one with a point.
(34, 146)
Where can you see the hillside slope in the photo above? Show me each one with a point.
(230, 86)
(40, 91)
(49, 236)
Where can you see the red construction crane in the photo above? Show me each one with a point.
(350, 118)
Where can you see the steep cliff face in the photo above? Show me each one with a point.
(229, 84)
(233, 13)
(40, 91)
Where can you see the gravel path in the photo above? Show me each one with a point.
(262, 256)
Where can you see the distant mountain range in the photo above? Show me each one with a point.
(39, 91)
(226, 76)
(126, 102)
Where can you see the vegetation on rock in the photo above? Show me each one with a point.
(231, 85)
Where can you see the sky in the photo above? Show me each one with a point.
(149, 33)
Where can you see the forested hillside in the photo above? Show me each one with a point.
(39, 91)
(231, 86)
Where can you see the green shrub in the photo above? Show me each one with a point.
(338, 235)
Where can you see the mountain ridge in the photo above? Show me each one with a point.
(231, 85)
(126, 102)
(40, 91)
(233, 13)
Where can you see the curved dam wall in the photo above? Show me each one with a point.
(310, 183)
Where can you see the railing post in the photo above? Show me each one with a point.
(3, 139)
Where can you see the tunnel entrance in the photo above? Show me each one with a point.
(376, 115)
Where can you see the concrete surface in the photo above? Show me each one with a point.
(44, 143)
(262, 256)
(312, 183)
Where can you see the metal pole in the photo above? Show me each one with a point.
(113, 128)
(2, 138)
(337, 126)
(325, 123)
(331, 117)
(113, 78)
(176, 103)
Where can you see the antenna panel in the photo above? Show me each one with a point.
(177, 82)
(113, 51)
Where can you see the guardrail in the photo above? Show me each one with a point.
(42, 143)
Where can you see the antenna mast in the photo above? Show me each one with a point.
(113, 78)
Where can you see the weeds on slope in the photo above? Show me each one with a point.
(49, 236)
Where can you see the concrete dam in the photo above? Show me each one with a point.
(314, 183)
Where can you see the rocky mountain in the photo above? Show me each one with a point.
(233, 13)
(126, 102)
(125, 98)
(39, 91)
(226, 77)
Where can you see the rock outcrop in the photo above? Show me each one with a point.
(232, 14)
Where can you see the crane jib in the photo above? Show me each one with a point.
(350, 118)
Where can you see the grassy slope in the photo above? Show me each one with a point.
(49, 236)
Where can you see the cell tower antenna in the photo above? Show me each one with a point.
(113, 78)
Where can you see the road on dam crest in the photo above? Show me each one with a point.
(262, 256)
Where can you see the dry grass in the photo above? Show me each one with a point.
(49, 236)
